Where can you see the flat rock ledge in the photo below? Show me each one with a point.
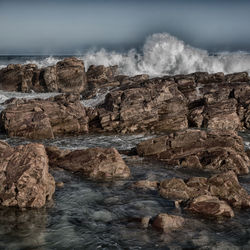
(24, 177)
(212, 150)
(94, 163)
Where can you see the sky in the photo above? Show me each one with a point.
(73, 26)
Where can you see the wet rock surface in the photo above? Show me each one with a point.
(213, 150)
(24, 177)
(95, 163)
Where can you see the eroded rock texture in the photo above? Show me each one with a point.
(66, 76)
(24, 177)
(95, 163)
(42, 119)
(213, 150)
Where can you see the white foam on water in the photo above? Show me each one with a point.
(162, 54)
(97, 100)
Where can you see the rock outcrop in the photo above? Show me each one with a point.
(213, 150)
(43, 119)
(224, 186)
(66, 76)
(24, 177)
(154, 105)
(94, 163)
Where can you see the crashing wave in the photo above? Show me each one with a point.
(162, 54)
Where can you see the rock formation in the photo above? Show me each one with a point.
(66, 76)
(43, 119)
(213, 150)
(95, 163)
(24, 177)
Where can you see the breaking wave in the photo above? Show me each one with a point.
(162, 54)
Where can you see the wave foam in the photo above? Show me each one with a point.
(162, 54)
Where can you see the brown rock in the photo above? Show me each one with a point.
(167, 223)
(67, 76)
(224, 186)
(100, 74)
(17, 77)
(95, 163)
(237, 77)
(24, 177)
(212, 150)
(146, 184)
(210, 206)
(154, 105)
(71, 76)
(41, 119)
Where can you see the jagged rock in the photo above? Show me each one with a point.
(224, 186)
(24, 177)
(66, 76)
(17, 77)
(167, 223)
(154, 105)
(210, 206)
(212, 150)
(71, 75)
(95, 163)
(237, 77)
(101, 74)
(41, 119)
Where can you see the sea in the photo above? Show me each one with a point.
(88, 214)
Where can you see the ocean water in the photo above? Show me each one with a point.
(161, 54)
(88, 214)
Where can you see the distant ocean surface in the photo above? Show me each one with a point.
(161, 54)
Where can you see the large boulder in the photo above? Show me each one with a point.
(213, 150)
(95, 163)
(24, 177)
(42, 119)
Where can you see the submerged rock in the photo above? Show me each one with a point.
(24, 177)
(95, 163)
(166, 222)
(210, 206)
(44, 119)
(213, 150)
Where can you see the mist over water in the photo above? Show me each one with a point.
(162, 54)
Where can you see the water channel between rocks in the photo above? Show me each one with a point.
(87, 214)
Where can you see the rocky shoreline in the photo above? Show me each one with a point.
(194, 119)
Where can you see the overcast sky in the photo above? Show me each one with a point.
(71, 26)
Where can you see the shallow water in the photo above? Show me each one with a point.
(88, 214)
